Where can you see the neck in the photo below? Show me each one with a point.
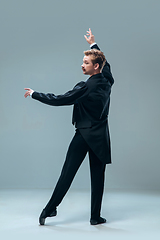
(96, 72)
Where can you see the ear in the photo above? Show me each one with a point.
(96, 66)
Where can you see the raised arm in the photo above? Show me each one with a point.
(106, 69)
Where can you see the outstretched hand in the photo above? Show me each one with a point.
(90, 39)
(29, 91)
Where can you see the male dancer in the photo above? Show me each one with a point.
(91, 100)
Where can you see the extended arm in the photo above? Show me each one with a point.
(69, 98)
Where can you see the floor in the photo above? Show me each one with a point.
(130, 215)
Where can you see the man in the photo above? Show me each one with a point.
(91, 101)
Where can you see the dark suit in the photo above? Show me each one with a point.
(91, 100)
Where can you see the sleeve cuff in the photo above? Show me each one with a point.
(31, 94)
(93, 44)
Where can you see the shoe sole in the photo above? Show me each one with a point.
(96, 222)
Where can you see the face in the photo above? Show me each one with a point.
(87, 66)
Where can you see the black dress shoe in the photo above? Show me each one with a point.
(100, 220)
(43, 216)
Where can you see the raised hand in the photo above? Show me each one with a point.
(29, 91)
(90, 39)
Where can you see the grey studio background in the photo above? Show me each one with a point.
(41, 47)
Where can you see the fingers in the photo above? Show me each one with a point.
(25, 95)
(89, 37)
(89, 32)
(28, 92)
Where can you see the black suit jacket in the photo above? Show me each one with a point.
(91, 100)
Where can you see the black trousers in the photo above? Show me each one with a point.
(77, 151)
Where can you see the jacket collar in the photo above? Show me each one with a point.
(96, 77)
